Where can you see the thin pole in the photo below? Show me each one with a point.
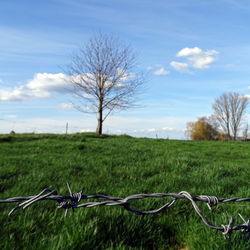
(67, 126)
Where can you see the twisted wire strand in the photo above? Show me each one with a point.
(73, 201)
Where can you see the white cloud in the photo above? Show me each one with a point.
(139, 130)
(198, 58)
(179, 66)
(202, 62)
(158, 70)
(50, 82)
(86, 130)
(152, 130)
(67, 105)
(124, 76)
(11, 116)
(41, 86)
(167, 129)
(21, 93)
(149, 68)
(189, 52)
(161, 71)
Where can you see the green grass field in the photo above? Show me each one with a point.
(121, 166)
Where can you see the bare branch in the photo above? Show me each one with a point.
(229, 110)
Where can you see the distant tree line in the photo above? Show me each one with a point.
(225, 123)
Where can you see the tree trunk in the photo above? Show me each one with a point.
(99, 120)
(235, 134)
(228, 133)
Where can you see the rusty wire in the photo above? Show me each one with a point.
(73, 201)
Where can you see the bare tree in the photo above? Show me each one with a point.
(104, 78)
(229, 110)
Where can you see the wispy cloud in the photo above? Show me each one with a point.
(66, 105)
(24, 45)
(167, 129)
(179, 66)
(158, 70)
(11, 116)
(150, 68)
(151, 130)
(161, 71)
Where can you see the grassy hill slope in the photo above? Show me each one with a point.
(120, 166)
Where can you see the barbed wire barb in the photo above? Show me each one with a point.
(35, 198)
(73, 201)
(246, 223)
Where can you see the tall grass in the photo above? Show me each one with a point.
(120, 166)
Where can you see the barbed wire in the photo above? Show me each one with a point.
(72, 201)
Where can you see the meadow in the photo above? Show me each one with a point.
(121, 166)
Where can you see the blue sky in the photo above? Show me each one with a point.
(191, 51)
